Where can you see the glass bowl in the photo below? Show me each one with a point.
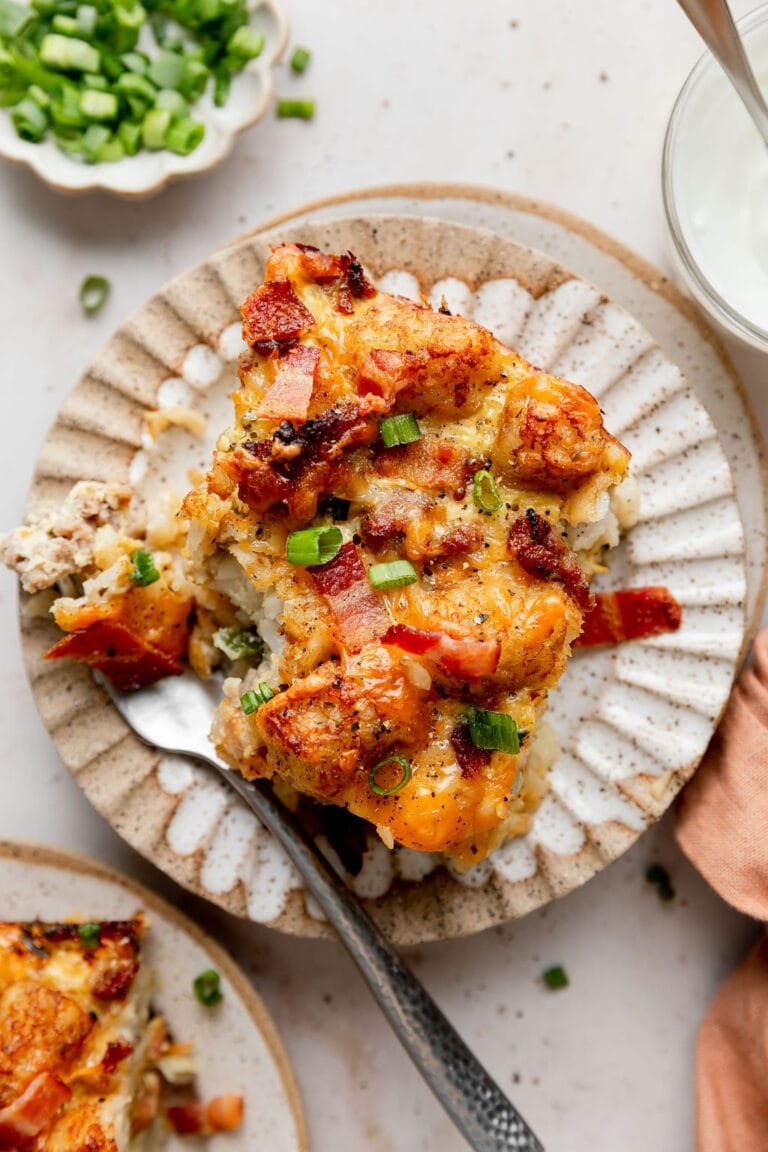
(707, 93)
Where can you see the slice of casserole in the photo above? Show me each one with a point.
(411, 513)
(79, 1052)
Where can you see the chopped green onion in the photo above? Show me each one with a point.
(144, 570)
(65, 108)
(184, 137)
(402, 429)
(93, 140)
(556, 977)
(41, 98)
(166, 70)
(14, 18)
(95, 81)
(194, 77)
(135, 62)
(246, 43)
(300, 60)
(87, 16)
(29, 120)
(98, 105)
(485, 492)
(313, 545)
(129, 136)
(296, 109)
(155, 128)
(394, 574)
(266, 691)
(221, 86)
(377, 789)
(207, 988)
(250, 701)
(173, 102)
(239, 643)
(493, 731)
(111, 151)
(90, 934)
(69, 54)
(67, 25)
(132, 84)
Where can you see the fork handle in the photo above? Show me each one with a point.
(471, 1098)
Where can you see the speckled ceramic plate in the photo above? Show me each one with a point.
(237, 1048)
(633, 723)
(148, 172)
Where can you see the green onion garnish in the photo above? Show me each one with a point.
(485, 492)
(94, 293)
(402, 429)
(556, 977)
(68, 54)
(311, 546)
(296, 109)
(246, 43)
(14, 18)
(155, 128)
(404, 764)
(252, 700)
(300, 60)
(184, 137)
(207, 988)
(493, 731)
(394, 574)
(98, 105)
(90, 935)
(29, 120)
(144, 570)
(239, 643)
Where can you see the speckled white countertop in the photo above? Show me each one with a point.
(566, 102)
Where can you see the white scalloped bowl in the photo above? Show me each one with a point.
(148, 172)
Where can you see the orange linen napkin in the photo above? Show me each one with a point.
(722, 826)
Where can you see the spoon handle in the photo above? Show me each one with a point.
(714, 22)
(475, 1103)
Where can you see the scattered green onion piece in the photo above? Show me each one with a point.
(96, 82)
(313, 545)
(250, 701)
(485, 492)
(110, 63)
(266, 692)
(207, 988)
(29, 120)
(90, 934)
(296, 109)
(392, 574)
(131, 84)
(403, 429)
(93, 140)
(401, 783)
(144, 570)
(69, 140)
(556, 977)
(111, 151)
(221, 86)
(166, 70)
(194, 77)
(67, 25)
(155, 128)
(41, 98)
(239, 643)
(493, 731)
(183, 137)
(7, 69)
(14, 18)
(246, 43)
(65, 108)
(129, 136)
(69, 54)
(99, 106)
(86, 18)
(132, 16)
(300, 60)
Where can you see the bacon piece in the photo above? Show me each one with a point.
(117, 1051)
(186, 1119)
(465, 657)
(127, 660)
(430, 463)
(356, 609)
(630, 614)
(224, 1113)
(317, 265)
(386, 373)
(470, 759)
(274, 315)
(33, 1111)
(542, 554)
(290, 395)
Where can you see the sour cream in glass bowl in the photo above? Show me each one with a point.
(715, 188)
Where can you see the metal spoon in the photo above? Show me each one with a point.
(174, 714)
(714, 22)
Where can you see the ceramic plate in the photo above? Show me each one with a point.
(148, 172)
(633, 723)
(237, 1048)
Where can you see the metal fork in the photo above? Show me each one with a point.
(175, 715)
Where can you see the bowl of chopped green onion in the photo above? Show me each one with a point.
(127, 95)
